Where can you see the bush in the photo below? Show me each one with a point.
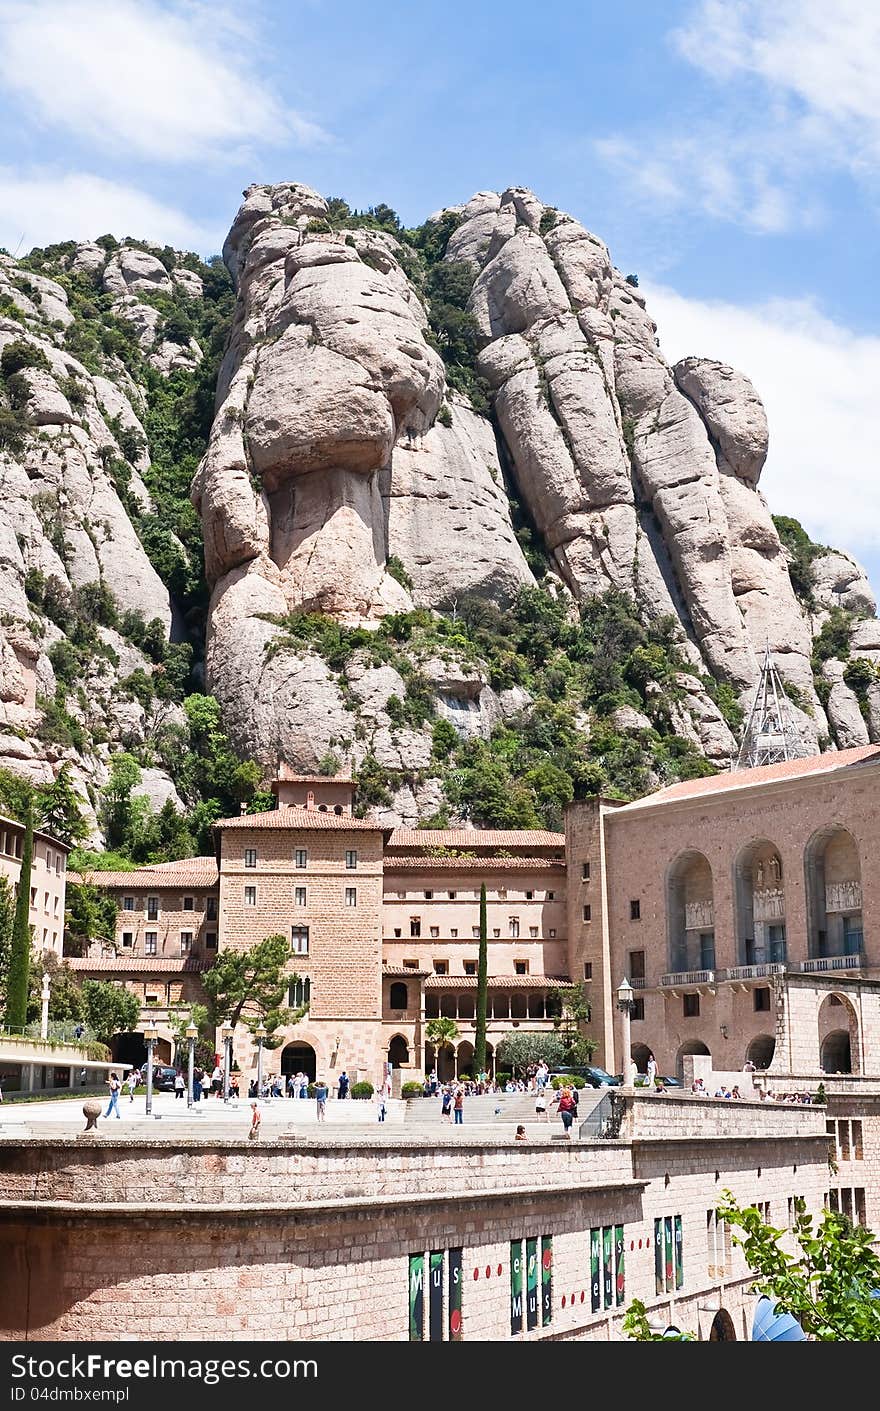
(408, 1089)
(567, 1080)
(19, 354)
(363, 1090)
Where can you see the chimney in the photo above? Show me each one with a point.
(310, 799)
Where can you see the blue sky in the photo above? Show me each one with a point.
(729, 153)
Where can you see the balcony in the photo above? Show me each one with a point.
(679, 978)
(752, 972)
(822, 963)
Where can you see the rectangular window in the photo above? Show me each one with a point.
(128, 939)
(434, 932)
(188, 904)
(397, 931)
(299, 896)
(475, 932)
(719, 1248)
(415, 925)
(299, 992)
(668, 1254)
(588, 970)
(552, 933)
(551, 896)
(707, 950)
(638, 1009)
(607, 1274)
(453, 931)
(150, 942)
(761, 999)
(444, 1272)
(351, 859)
(858, 1154)
(186, 940)
(531, 1283)
(496, 932)
(513, 925)
(533, 932)
(691, 1006)
(429, 896)
(585, 872)
(520, 967)
(351, 896)
(636, 965)
(470, 967)
(250, 857)
(452, 896)
(128, 903)
(210, 908)
(410, 965)
(45, 901)
(588, 913)
(529, 896)
(152, 908)
(250, 896)
(33, 898)
(49, 859)
(301, 857)
(299, 940)
(441, 967)
(635, 910)
(211, 940)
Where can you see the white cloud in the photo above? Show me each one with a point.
(794, 98)
(166, 82)
(818, 381)
(41, 208)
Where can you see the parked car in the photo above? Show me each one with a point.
(659, 1081)
(593, 1077)
(163, 1078)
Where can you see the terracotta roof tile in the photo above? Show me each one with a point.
(496, 982)
(188, 872)
(470, 838)
(123, 965)
(308, 818)
(403, 970)
(424, 863)
(814, 765)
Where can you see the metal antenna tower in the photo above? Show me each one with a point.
(771, 735)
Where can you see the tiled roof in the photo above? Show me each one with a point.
(470, 838)
(290, 817)
(403, 970)
(483, 864)
(141, 965)
(17, 823)
(286, 775)
(496, 982)
(814, 765)
(187, 872)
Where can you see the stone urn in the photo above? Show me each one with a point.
(91, 1112)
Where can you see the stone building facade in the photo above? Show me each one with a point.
(365, 1240)
(48, 881)
(743, 908)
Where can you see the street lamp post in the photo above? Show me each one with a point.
(191, 1035)
(625, 1000)
(259, 1035)
(151, 1034)
(226, 1036)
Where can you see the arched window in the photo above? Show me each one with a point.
(398, 1052)
(398, 997)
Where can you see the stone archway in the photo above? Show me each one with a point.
(761, 1050)
(722, 1329)
(398, 1052)
(838, 1034)
(640, 1054)
(833, 886)
(464, 1060)
(759, 889)
(299, 1057)
(690, 913)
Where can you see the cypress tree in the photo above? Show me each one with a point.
(20, 950)
(482, 990)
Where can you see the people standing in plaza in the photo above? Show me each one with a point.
(342, 1087)
(291, 1085)
(321, 1098)
(541, 1112)
(651, 1071)
(458, 1106)
(131, 1083)
(217, 1081)
(446, 1104)
(303, 1084)
(114, 1086)
(179, 1084)
(381, 1103)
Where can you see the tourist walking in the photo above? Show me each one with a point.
(131, 1083)
(342, 1087)
(381, 1103)
(321, 1098)
(458, 1106)
(179, 1084)
(254, 1133)
(113, 1104)
(567, 1109)
(197, 1084)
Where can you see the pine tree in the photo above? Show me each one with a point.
(482, 990)
(60, 812)
(20, 951)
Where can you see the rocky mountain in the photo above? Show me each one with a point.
(465, 531)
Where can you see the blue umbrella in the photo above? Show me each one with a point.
(770, 1326)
